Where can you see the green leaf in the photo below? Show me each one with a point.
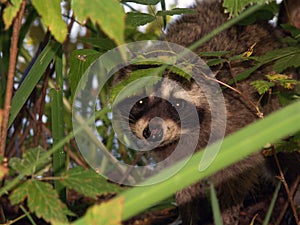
(111, 214)
(179, 72)
(143, 2)
(138, 19)
(32, 79)
(101, 43)
(235, 7)
(88, 182)
(175, 11)
(286, 62)
(215, 206)
(284, 58)
(19, 194)
(108, 14)
(214, 62)
(30, 157)
(10, 12)
(52, 18)
(147, 82)
(262, 86)
(57, 114)
(42, 200)
(80, 60)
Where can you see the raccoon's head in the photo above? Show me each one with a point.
(160, 119)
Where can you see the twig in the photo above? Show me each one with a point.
(245, 97)
(128, 171)
(283, 210)
(286, 187)
(10, 78)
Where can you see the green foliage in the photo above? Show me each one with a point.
(147, 82)
(284, 58)
(11, 12)
(29, 158)
(51, 17)
(111, 214)
(215, 206)
(235, 7)
(108, 14)
(32, 78)
(263, 86)
(80, 60)
(138, 19)
(42, 199)
(175, 11)
(88, 182)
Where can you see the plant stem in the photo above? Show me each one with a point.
(10, 78)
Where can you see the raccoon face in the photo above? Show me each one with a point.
(156, 119)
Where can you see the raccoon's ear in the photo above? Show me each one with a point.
(290, 13)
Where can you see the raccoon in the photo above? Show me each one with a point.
(155, 119)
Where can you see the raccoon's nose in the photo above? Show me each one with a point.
(153, 133)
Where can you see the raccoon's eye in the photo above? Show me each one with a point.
(179, 104)
(141, 102)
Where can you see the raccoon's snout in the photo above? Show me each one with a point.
(154, 131)
(153, 135)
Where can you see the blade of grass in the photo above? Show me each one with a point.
(57, 111)
(32, 79)
(248, 140)
(215, 206)
(271, 207)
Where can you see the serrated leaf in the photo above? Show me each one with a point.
(286, 62)
(179, 72)
(88, 182)
(175, 11)
(30, 157)
(143, 2)
(235, 7)
(262, 86)
(284, 58)
(108, 14)
(138, 18)
(111, 213)
(42, 200)
(52, 18)
(146, 83)
(19, 194)
(214, 62)
(10, 12)
(80, 60)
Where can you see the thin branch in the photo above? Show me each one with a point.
(10, 78)
(286, 187)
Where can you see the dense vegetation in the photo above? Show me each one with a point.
(45, 48)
